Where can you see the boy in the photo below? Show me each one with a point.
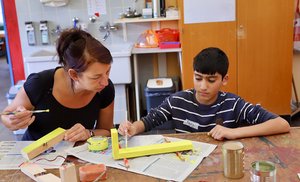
(207, 109)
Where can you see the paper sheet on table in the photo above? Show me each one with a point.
(11, 157)
(159, 166)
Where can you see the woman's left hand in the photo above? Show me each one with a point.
(77, 133)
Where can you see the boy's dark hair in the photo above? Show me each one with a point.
(210, 61)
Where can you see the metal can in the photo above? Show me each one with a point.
(233, 159)
(263, 171)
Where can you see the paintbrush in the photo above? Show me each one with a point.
(126, 163)
(126, 132)
(15, 112)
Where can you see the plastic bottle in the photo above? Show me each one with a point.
(30, 33)
(44, 32)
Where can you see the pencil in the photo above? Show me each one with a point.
(15, 112)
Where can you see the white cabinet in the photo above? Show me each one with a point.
(39, 61)
(120, 71)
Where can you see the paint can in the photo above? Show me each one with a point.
(263, 171)
(233, 159)
(97, 143)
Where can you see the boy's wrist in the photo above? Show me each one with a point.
(139, 127)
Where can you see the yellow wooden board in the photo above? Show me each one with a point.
(153, 149)
(44, 143)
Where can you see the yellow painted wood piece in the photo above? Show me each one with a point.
(37, 147)
(139, 151)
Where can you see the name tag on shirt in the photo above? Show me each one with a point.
(191, 124)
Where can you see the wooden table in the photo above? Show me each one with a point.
(284, 150)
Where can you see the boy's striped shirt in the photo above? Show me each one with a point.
(188, 115)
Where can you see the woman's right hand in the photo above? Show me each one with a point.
(128, 127)
(21, 119)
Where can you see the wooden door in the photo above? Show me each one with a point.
(265, 32)
(195, 37)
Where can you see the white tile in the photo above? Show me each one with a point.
(77, 5)
(22, 7)
(35, 5)
(115, 3)
(115, 12)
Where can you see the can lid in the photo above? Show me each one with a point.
(160, 83)
(232, 145)
(262, 166)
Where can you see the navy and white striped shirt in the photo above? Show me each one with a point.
(188, 115)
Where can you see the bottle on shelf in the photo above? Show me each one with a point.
(162, 8)
(156, 8)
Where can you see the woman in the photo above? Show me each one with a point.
(79, 94)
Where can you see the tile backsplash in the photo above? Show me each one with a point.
(35, 11)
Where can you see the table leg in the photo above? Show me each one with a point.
(180, 61)
(136, 85)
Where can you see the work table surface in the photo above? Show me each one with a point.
(283, 150)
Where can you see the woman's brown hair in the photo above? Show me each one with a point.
(77, 49)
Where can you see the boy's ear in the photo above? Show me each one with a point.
(225, 80)
(73, 74)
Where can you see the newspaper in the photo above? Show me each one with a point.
(11, 157)
(159, 166)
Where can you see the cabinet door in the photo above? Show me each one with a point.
(197, 36)
(265, 32)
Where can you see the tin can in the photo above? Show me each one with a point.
(97, 143)
(233, 159)
(262, 171)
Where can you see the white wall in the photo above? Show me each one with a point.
(33, 10)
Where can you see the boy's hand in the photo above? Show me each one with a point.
(220, 132)
(77, 133)
(126, 125)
